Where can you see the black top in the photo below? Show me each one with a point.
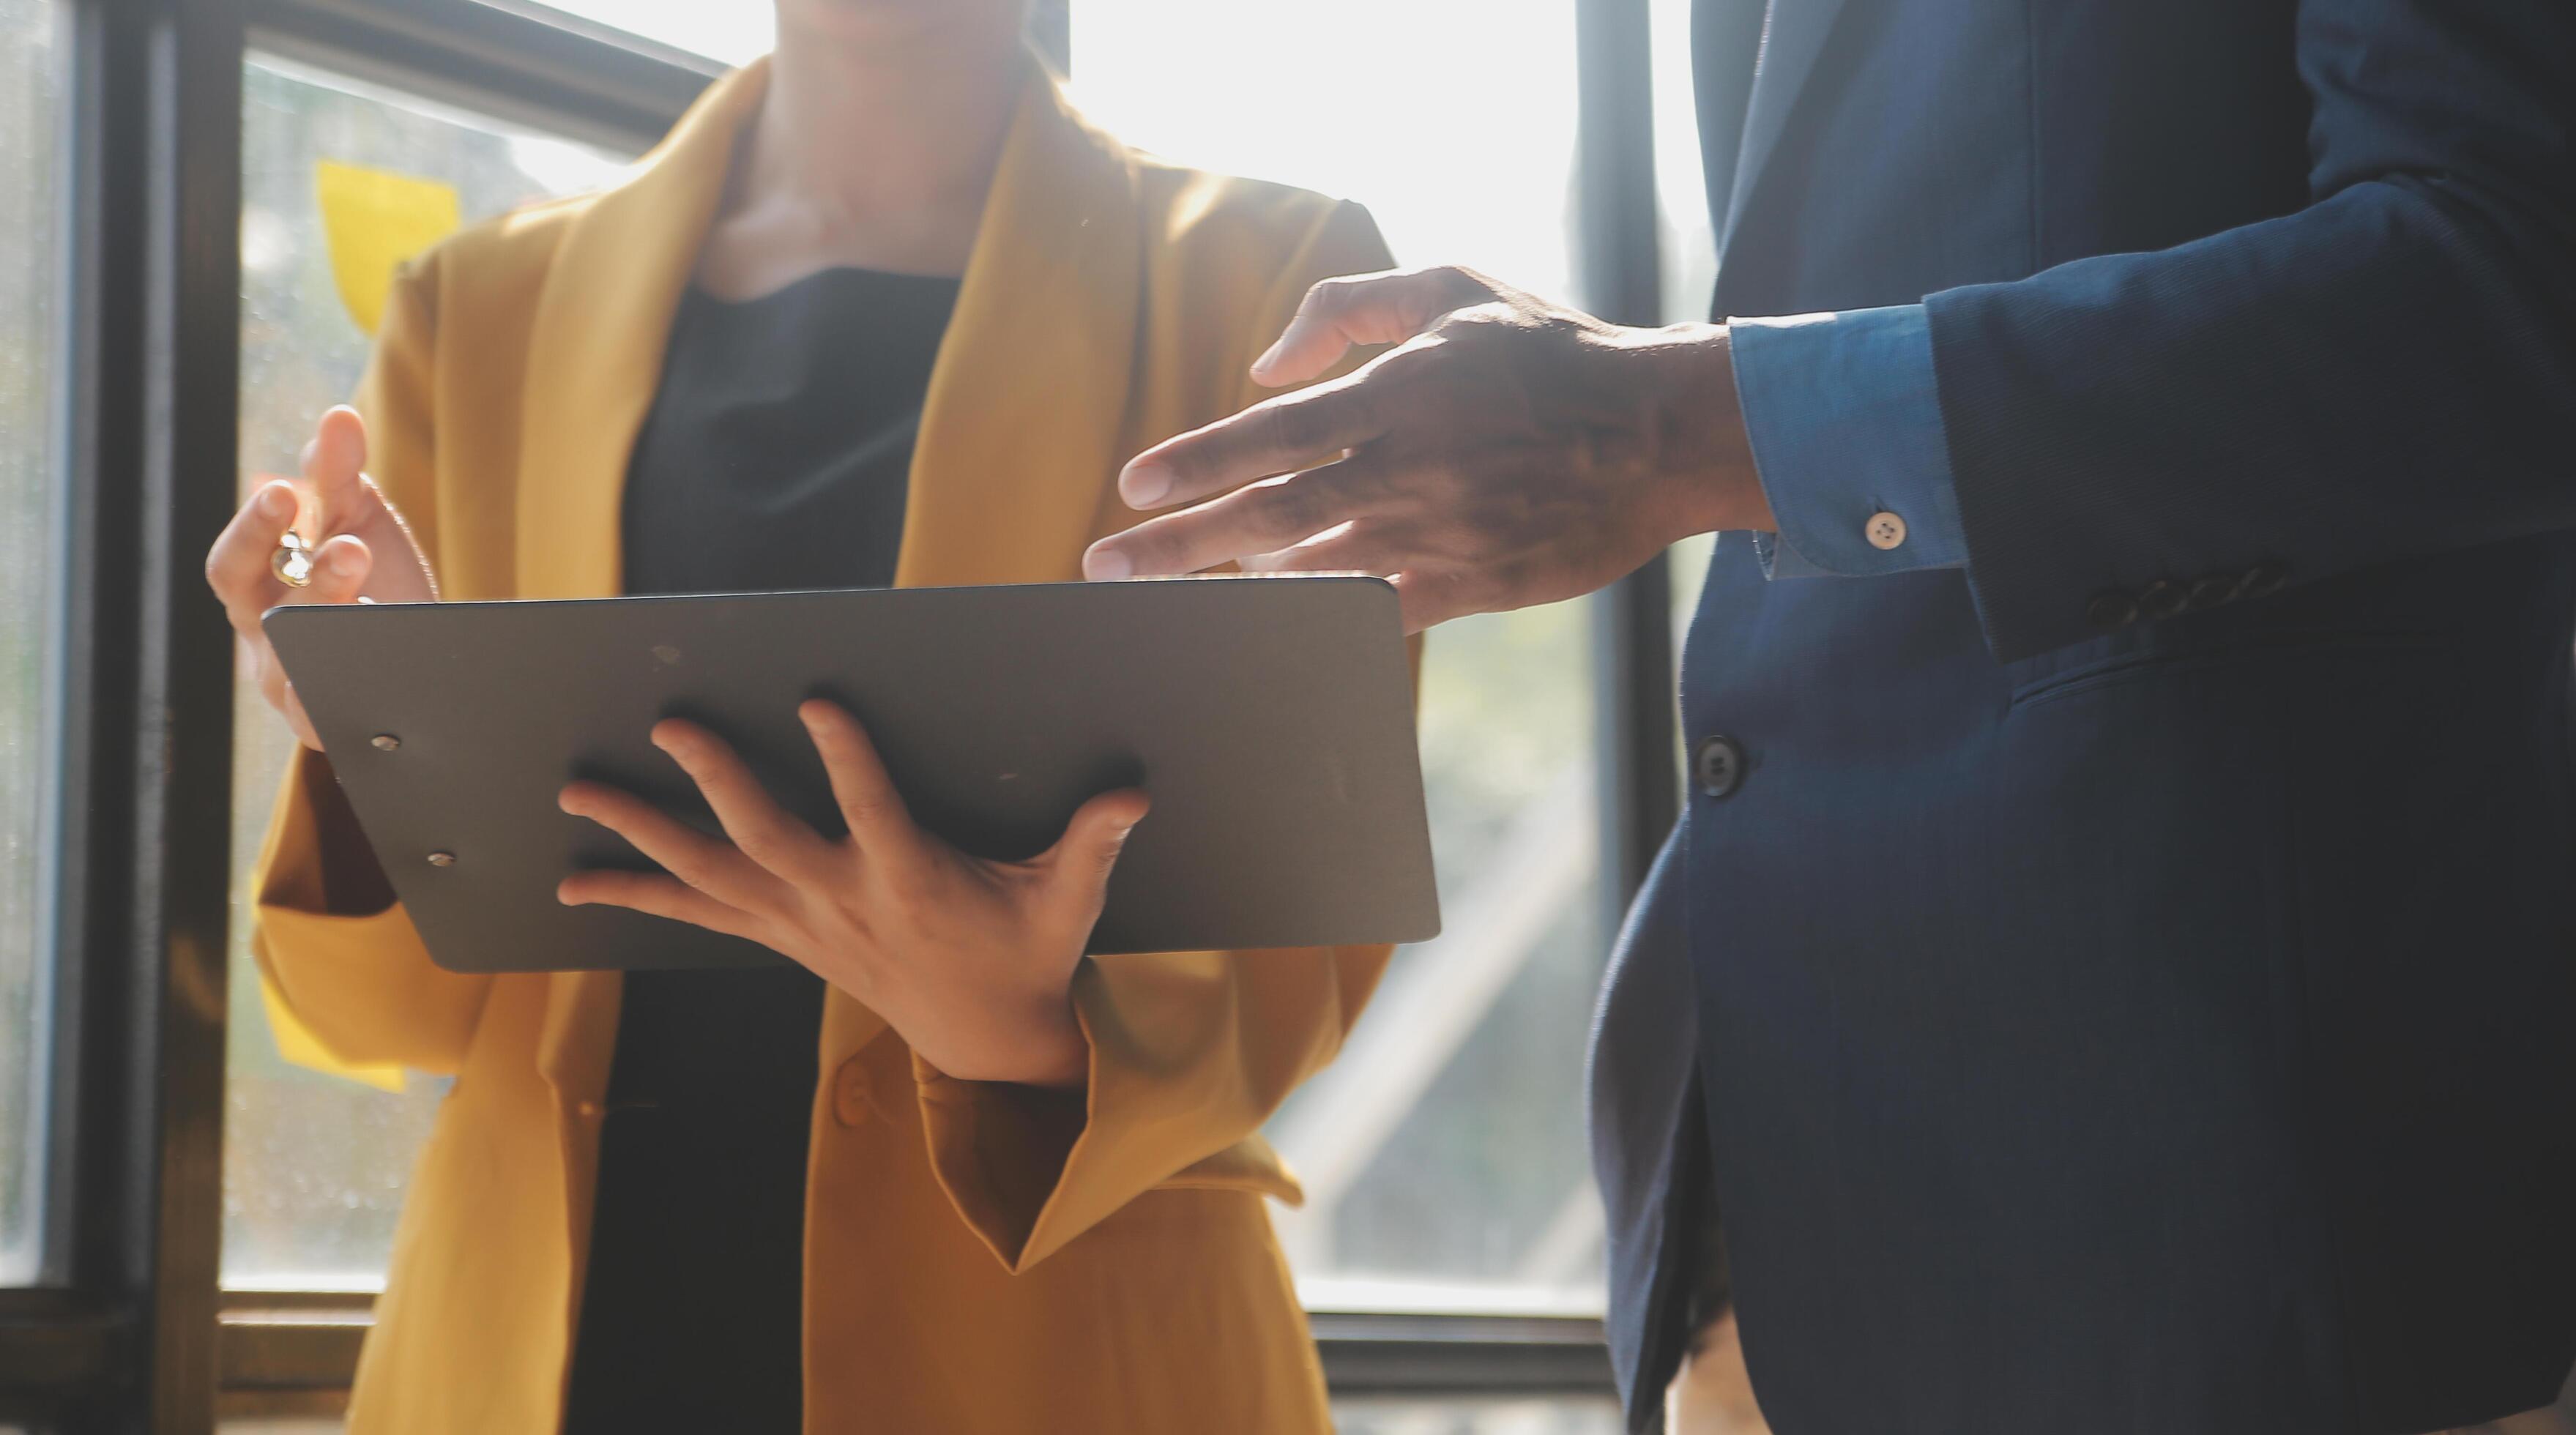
(776, 456)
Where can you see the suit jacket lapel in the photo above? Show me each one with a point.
(1793, 37)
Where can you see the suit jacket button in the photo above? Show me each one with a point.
(2211, 591)
(2161, 599)
(1718, 766)
(2114, 609)
(2262, 579)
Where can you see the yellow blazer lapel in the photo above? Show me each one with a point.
(594, 359)
(1020, 431)
(595, 345)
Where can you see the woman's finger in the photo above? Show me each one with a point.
(657, 895)
(703, 863)
(333, 465)
(762, 830)
(1077, 867)
(237, 565)
(879, 822)
(340, 569)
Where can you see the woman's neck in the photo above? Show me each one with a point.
(875, 147)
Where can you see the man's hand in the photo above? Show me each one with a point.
(1508, 452)
(972, 961)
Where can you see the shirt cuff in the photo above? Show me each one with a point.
(1844, 417)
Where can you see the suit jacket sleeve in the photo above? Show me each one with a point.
(339, 955)
(2387, 372)
(1190, 1051)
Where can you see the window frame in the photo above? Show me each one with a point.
(128, 1328)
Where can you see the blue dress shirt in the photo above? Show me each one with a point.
(1844, 416)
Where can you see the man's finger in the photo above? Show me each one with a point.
(656, 895)
(1293, 431)
(1351, 548)
(333, 462)
(1261, 518)
(1338, 314)
(762, 830)
(693, 857)
(879, 823)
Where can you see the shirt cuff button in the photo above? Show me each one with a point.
(1884, 531)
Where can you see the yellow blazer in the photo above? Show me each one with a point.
(977, 1258)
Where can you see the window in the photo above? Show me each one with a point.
(729, 34)
(1681, 182)
(315, 1165)
(30, 210)
(1443, 1152)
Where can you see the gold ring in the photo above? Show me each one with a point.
(293, 561)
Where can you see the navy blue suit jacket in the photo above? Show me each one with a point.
(2161, 1027)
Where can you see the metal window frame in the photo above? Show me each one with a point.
(128, 1330)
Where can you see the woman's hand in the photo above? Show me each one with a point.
(970, 961)
(363, 553)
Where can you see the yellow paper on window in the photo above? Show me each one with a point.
(375, 219)
(302, 1047)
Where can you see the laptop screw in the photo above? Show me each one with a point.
(384, 742)
(442, 859)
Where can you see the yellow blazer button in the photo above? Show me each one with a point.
(850, 1094)
(1884, 531)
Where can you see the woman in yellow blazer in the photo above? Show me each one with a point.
(1073, 1242)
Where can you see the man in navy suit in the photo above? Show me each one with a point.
(2116, 970)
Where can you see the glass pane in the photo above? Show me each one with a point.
(1476, 1417)
(1478, 174)
(314, 1165)
(730, 33)
(1443, 1153)
(1681, 184)
(30, 208)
